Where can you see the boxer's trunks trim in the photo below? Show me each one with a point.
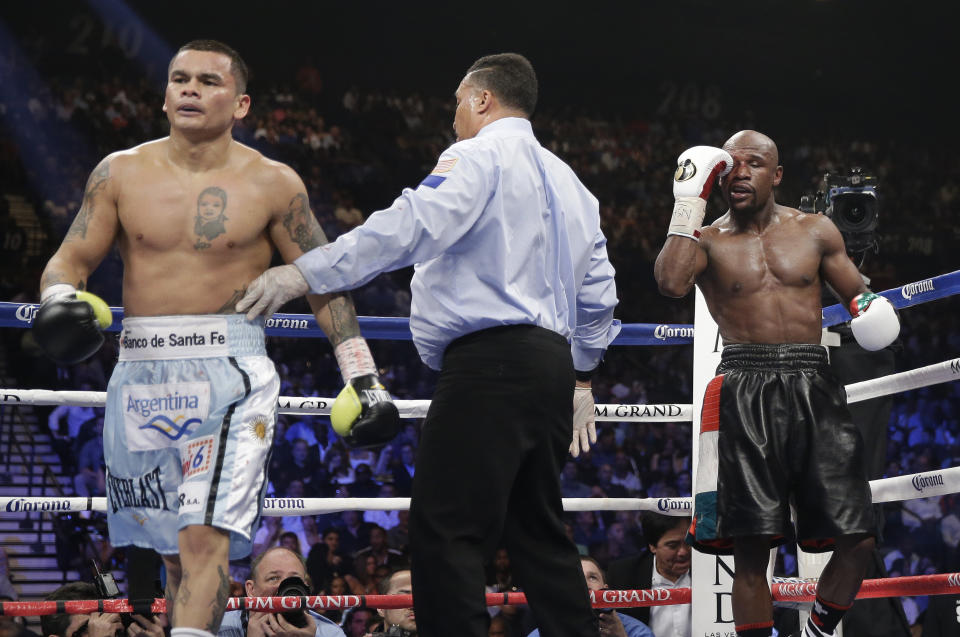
(222, 448)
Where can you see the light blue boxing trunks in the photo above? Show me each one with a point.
(191, 409)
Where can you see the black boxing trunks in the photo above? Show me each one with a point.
(775, 430)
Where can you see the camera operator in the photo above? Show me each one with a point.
(96, 624)
(278, 571)
(852, 203)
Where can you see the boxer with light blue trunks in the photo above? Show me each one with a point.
(189, 425)
(195, 217)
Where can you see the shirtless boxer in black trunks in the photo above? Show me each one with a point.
(778, 418)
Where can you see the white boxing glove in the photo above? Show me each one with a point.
(698, 169)
(875, 324)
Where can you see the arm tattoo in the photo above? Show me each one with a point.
(210, 221)
(95, 185)
(169, 595)
(53, 277)
(343, 318)
(219, 604)
(302, 225)
(183, 591)
(231, 305)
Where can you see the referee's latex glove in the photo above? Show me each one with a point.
(584, 425)
(271, 290)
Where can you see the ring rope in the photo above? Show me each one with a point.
(898, 488)
(782, 590)
(398, 328)
(286, 507)
(371, 327)
(321, 406)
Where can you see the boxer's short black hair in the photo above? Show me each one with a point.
(237, 66)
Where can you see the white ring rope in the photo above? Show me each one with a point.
(321, 406)
(886, 490)
(899, 488)
(904, 381)
(284, 507)
(937, 373)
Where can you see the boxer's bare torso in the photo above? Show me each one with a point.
(761, 265)
(196, 215)
(192, 240)
(764, 285)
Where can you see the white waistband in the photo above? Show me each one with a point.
(190, 336)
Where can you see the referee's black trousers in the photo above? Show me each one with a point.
(494, 440)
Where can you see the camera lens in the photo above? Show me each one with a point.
(855, 212)
(293, 586)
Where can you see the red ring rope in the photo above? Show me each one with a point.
(938, 584)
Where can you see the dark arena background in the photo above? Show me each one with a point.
(358, 99)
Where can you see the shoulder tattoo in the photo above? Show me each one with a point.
(302, 226)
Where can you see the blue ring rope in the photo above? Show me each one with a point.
(398, 328)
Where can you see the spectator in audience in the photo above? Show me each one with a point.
(90, 480)
(337, 586)
(290, 541)
(399, 535)
(268, 535)
(499, 579)
(387, 519)
(625, 473)
(338, 466)
(666, 565)
(397, 621)
(403, 469)
(326, 561)
(357, 621)
(570, 484)
(619, 544)
(363, 579)
(363, 485)
(379, 548)
(607, 485)
(65, 422)
(354, 532)
(611, 621)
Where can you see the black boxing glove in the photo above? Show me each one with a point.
(364, 413)
(68, 323)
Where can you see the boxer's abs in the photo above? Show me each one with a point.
(177, 282)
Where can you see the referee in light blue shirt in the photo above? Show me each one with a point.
(513, 291)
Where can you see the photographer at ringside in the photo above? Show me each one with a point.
(96, 624)
(277, 572)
